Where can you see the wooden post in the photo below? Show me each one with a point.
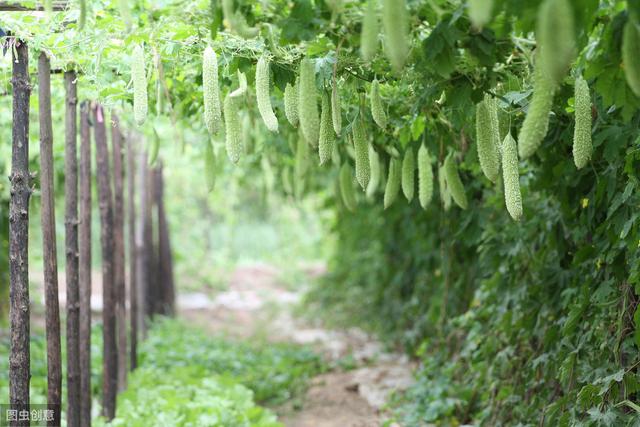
(20, 181)
(142, 263)
(150, 249)
(49, 252)
(133, 273)
(71, 240)
(84, 244)
(165, 259)
(110, 350)
(119, 260)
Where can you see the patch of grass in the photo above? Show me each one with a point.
(188, 378)
(275, 372)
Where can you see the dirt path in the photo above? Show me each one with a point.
(258, 305)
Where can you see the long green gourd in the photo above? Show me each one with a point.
(209, 166)
(630, 57)
(291, 104)
(408, 174)
(369, 33)
(308, 102)
(555, 34)
(327, 137)
(138, 75)
(374, 166)
(487, 140)
(582, 146)
(336, 109)
(393, 182)
(454, 183)
(425, 177)
(211, 91)
(377, 110)
(395, 20)
(346, 187)
(511, 177)
(536, 123)
(263, 96)
(361, 149)
(445, 195)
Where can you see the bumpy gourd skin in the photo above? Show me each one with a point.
(536, 123)
(308, 102)
(393, 182)
(582, 147)
(630, 56)
(361, 149)
(233, 139)
(291, 104)
(425, 177)
(555, 34)
(336, 109)
(511, 178)
(408, 168)
(263, 96)
(327, 137)
(346, 187)
(211, 91)
(487, 139)
(377, 110)
(140, 101)
(374, 165)
(370, 30)
(454, 183)
(395, 20)
(445, 196)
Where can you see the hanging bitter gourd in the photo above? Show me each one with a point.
(408, 169)
(511, 177)
(425, 177)
(630, 57)
(393, 182)
(346, 187)
(140, 101)
(209, 166)
(377, 110)
(327, 137)
(125, 14)
(536, 123)
(487, 139)
(454, 183)
(374, 166)
(308, 102)
(262, 94)
(233, 137)
(336, 109)
(361, 149)
(82, 18)
(233, 127)
(395, 20)
(445, 195)
(582, 146)
(369, 32)
(555, 34)
(480, 12)
(211, 91)
(291, 104)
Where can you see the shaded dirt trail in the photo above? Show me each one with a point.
(257, 305)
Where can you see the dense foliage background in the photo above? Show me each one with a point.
(517, 323)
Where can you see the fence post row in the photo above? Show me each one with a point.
(150, 265)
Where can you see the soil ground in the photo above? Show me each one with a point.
(258, 305)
